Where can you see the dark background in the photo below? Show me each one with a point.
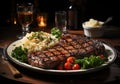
(97, 9)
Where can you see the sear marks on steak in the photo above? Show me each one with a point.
(69, 45)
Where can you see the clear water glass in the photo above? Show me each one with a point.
(60, 20)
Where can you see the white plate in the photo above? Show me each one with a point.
(109, 50)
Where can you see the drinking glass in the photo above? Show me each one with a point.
(25, 17)
(60, 20)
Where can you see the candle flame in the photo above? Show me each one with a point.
(41, 22)
(15, 21)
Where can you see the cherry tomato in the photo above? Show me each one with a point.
(60, 67)
(68, 66)
(71, 59)
(102, 56)
(76, 66)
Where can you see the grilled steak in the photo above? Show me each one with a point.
(69, 45)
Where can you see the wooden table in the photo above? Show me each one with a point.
(108, 75)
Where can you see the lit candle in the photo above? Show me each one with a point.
(15, 21)
(42, 21)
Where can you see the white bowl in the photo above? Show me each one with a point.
(93, 31)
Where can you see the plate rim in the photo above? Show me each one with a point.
(58, 72)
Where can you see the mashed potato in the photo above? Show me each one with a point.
(93, 23)
(38, 41)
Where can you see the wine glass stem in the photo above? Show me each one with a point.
(25, 29)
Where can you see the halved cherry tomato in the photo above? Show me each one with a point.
(71, 59)
(76, 66)
(68, 66)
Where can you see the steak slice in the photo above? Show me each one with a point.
(69, 45)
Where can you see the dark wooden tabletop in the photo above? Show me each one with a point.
(108, 75)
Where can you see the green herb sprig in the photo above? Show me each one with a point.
(20, 54)
(56, 32)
